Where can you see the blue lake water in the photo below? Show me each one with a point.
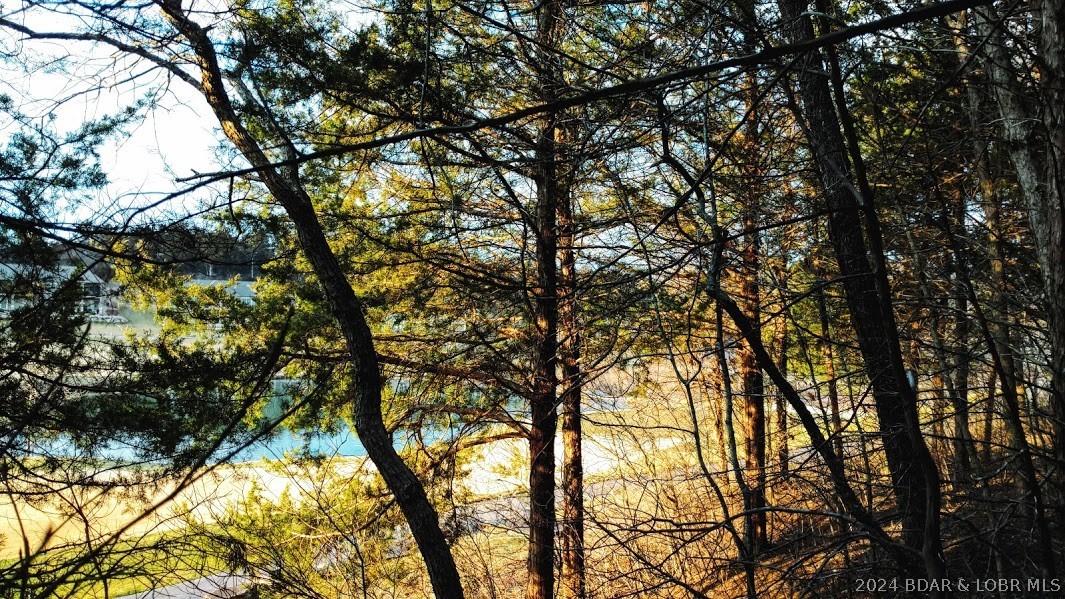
(329, 444)
(344, 443)
(341, 441)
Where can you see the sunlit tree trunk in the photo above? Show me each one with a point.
(733, 453)
(752, 381)
(829, 361)
(572, 530)
(782, 406)
(550, 192)
(543, 410)
(749, 371)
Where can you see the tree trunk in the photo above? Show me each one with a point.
(285, 186)
(550, 192)
(989, 422)
(749, 371)
(544, 414)
(743, 545)
(961, 441)
(914, 474)
(1043, 189)
(573, 578)
(754, 399)
(829, 359)
(782, 405)
(990, 203)
(1004, 364)
(964, 448)
(751, 333)
(1042, 186)
(1051, 215)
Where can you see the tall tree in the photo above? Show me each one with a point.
(752, 175)
(850, 200)
(550, 192)
(284, 183)
(1040, 176)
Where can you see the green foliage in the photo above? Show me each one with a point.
(331, 531)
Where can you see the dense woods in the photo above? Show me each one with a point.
(613, 299)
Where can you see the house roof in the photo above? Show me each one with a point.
(241, 289)
(13, 270)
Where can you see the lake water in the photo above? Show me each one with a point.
(343, 442)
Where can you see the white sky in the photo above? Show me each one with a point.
(177, 137)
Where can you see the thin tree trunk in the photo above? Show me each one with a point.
(1042, 185)
(1004, 364)
(989, 421)
(1052, 215)
(961, 442)
(964, 448)
(733, 454)
(782, 405)
(753, 386)
(573, 577)
(862, 518)
(999, 328)
(829, 360)
(550, 193)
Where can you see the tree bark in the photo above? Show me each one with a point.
(286, 187)
(752, 381)
(829, 359)
(543, 408)
(573, 577)
(861, 517)
(750, 296)
(914, 474)
(989, 201)
(1004, 364)
(550, 192)
(964, 447)
(1052, 213)
(961, 441)
(1042, 185)
(753, 392)
(782, 405)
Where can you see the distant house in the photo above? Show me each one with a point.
(26, 284)
(241, 290)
